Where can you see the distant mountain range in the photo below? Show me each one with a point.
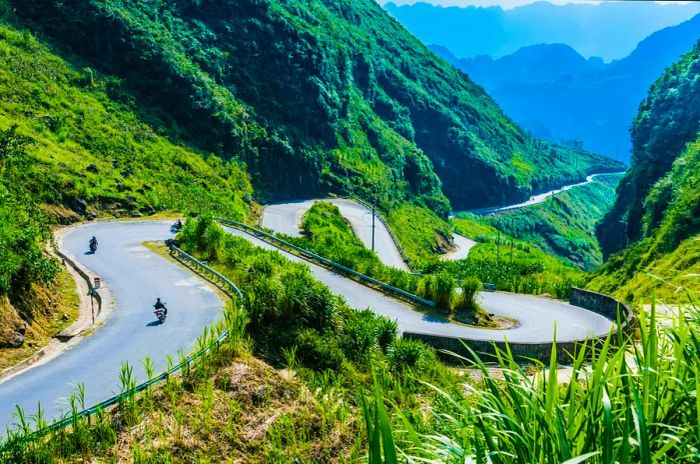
(603, 29)
(557, 94)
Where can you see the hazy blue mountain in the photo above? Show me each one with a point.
(604, 30)
(557, 94)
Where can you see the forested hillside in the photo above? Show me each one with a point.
(312, 96)
(667, 121)
(657, 210)
(68, 151)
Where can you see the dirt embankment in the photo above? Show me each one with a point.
(31, 316)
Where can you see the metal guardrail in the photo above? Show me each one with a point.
(203, 268)
(326, 262)
(70, 420)
(489, 287)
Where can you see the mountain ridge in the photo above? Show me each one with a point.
(557, 94)
(593, 30)
(261, 81)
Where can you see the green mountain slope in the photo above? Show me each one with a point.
(313, 96)
(668, 120)
(667, 217)
(68, 151)
(564, 225)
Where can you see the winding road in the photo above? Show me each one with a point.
(540, 197)
(537, 316)
(286, 218)
(135, 276)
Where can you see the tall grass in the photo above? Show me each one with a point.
(633, 403)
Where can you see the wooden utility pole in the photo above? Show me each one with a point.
(498, 248)
(373, 215)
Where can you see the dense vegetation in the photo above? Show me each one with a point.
(329, 235)
(68, 151)
(234, 405)
(511, 264)
(658, 205)
(635, 403)
(667, 261)
(313, 96)
(564, 225)
(668, 120)
(621, 409)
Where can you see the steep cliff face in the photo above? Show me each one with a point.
(668, 120)
(327, 95)
(657, 213)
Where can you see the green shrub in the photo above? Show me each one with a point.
(470, 287)
(319, 351)
(406, 354)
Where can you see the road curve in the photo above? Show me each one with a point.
(286, 218)
(135, 277)
(537, 316)
(539, 198)
(463, 246)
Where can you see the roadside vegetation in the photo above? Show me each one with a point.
(232, 404)
(329, 235)
(398, 402)
(635, 403)
(510, 264)
(27, 325)
(564, 225)
(68, 152)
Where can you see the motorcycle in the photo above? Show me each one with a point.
(177, 227)
(160, 314)
(93, 247)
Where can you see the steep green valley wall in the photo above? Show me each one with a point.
(314, 97)
(657, 211)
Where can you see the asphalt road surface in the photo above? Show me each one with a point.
(463, 246)
(135, 276)
(537, 316)
(286, 218)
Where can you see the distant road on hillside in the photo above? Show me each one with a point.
(539, 198)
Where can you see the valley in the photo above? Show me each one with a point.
(380, 261)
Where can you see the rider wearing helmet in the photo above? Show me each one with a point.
(160, 305)
(93, 244)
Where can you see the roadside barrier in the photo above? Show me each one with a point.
(92, 293)
(204, 269)
(326, 262)
(402, 252)
(595, 302)
(185, 364)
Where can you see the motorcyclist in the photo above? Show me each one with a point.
(178, 224)
(93, 243)
(160, 305)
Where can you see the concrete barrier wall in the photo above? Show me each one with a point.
(604, 305)
(93, 293)
(566, 350)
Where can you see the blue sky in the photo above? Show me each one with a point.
(506, 4)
